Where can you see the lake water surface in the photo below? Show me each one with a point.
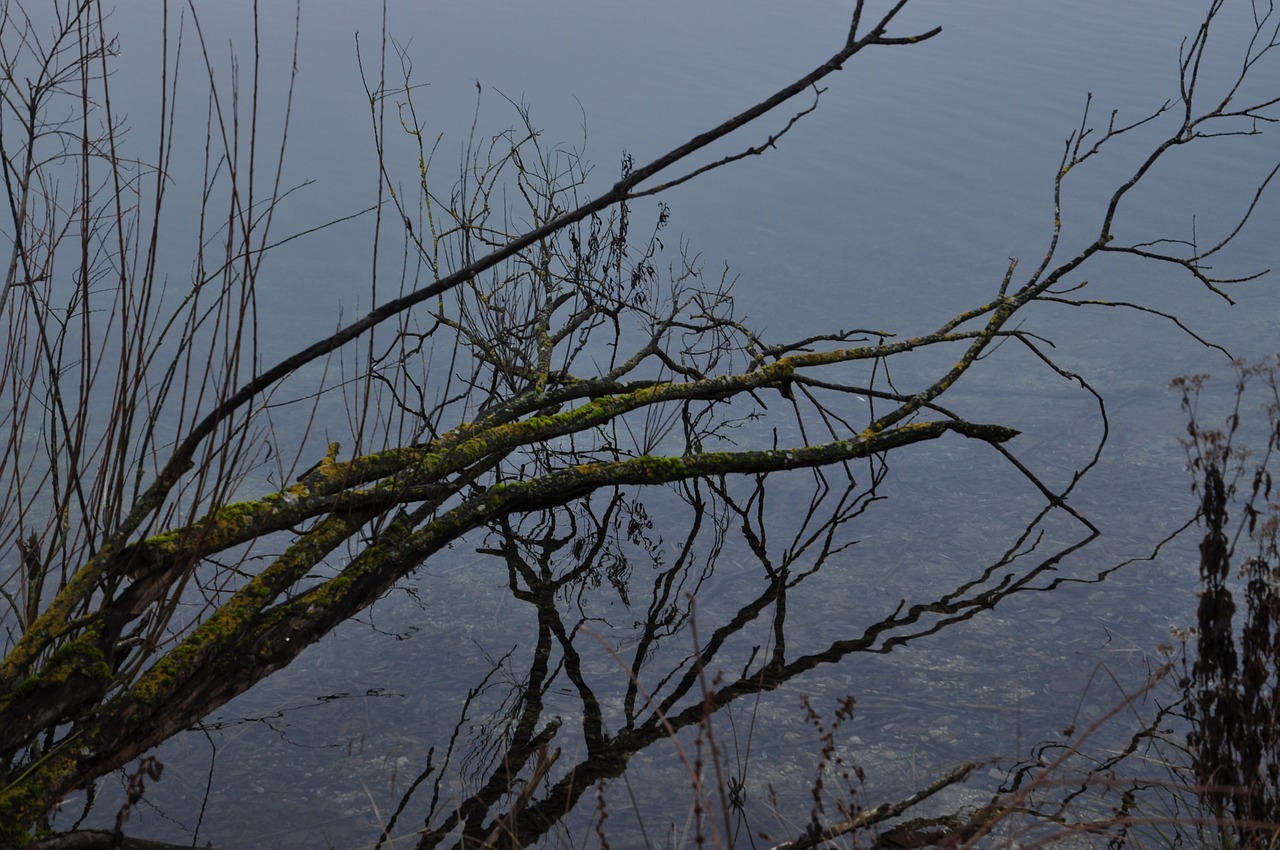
(893, 206)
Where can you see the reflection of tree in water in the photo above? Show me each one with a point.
(639, 672)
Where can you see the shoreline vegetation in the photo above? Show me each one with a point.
(182, 516)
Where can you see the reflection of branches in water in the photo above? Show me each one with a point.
(1074, 784)
(439, 802)
(556, 562)
(571, 552)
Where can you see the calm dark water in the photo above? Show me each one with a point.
(893, 206)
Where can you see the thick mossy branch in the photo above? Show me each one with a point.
(380, 480)
(417, 473)
(250, 636)
(163, 700)
(379, 566)
(355, 491)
